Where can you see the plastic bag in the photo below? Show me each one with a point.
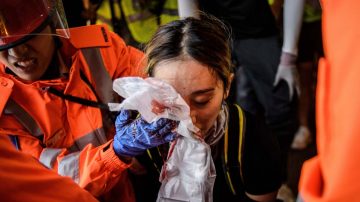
(189, 173)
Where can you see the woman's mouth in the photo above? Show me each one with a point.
(26, 64)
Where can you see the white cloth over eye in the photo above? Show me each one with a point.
(189, 172)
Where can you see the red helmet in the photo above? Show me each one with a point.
(21, 19)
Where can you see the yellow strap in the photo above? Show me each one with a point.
(149, 154)
(226, 159)
(241, 125)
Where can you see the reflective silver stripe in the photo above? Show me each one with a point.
(299, 198)
(140, 16)
(69, 166)
(102, 79)
(23, 117)
(48, 156)
(168, 11)
(96, 138)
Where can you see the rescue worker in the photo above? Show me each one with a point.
(333, 175)
(62, 81)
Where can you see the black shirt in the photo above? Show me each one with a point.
(246, 18)
(260, 165)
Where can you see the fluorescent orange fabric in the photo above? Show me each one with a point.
(333, 175)
(63, 122)
(23, 178)
(5, 91)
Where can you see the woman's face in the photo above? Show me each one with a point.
(202, 90)
(30, 60)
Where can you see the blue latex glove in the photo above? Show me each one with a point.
(134, 135)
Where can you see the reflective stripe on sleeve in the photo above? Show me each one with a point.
(103, 81)
(96, 138)
(69, 166)
(48, 156)
(23, 117)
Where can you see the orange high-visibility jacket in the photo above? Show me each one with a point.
(23, 178)
(334, 174)
(5, 91)
(66, 136)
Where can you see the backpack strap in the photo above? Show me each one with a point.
(153, 159)
(233, 147)
(156, 157)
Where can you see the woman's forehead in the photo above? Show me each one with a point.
(187, 70)
(186, 76)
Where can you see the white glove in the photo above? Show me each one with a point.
(302, 138)
(287, 71)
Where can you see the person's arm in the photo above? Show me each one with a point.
(188, 8)
(22, 170)
(293, 13)
(93, 168)
(23, 178)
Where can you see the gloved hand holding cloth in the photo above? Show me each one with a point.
(134, 135)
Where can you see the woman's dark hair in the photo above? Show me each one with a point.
(206, 40)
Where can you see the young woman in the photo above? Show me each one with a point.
(194, 57)
(58, 87)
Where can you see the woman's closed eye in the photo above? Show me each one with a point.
(202, 97)
(201, 103)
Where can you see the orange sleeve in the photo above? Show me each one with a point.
(96, 169)
(23, 178)
(333, 175)
(5, 91)
(100, 169)
(129, 61)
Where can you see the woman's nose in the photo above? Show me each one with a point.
(18, 51)
(193, 115)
